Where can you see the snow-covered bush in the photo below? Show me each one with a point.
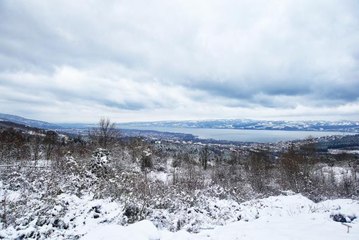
(100, 162)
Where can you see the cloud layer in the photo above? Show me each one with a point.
(137, 60)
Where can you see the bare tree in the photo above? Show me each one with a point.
(135, 147)
(258, 165)
(50, 142)
(105, 133)
(204, 157)
(35, 146)
(13, 145)
(291, 163)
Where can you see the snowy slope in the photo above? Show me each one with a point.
(278, 217)
(282, 217)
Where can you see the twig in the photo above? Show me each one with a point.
(348, 226)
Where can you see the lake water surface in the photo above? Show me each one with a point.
(261, 136)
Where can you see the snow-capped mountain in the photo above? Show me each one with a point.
(342, 126)
(338, 126)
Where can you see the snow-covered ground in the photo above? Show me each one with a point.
(285, 228)
(289, 216)
(281, 217)
(26, 212)
(341, 151)
(339, 174)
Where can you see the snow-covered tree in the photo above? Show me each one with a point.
(105, 134)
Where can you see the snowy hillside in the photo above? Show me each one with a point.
(288, 216)
(282, 217)
(54, 186)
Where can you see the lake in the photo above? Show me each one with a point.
(261, 136)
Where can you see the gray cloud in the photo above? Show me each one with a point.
(202, 59)
(125, 105)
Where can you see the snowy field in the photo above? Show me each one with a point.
(67, 216)
(284, 228)
(280, 218)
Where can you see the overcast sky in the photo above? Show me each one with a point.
(137, 60)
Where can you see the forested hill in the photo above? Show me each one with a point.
(28, 122)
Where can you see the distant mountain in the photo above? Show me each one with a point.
(28, 122)
(7, 124)
(78, 125)
(337, 126)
